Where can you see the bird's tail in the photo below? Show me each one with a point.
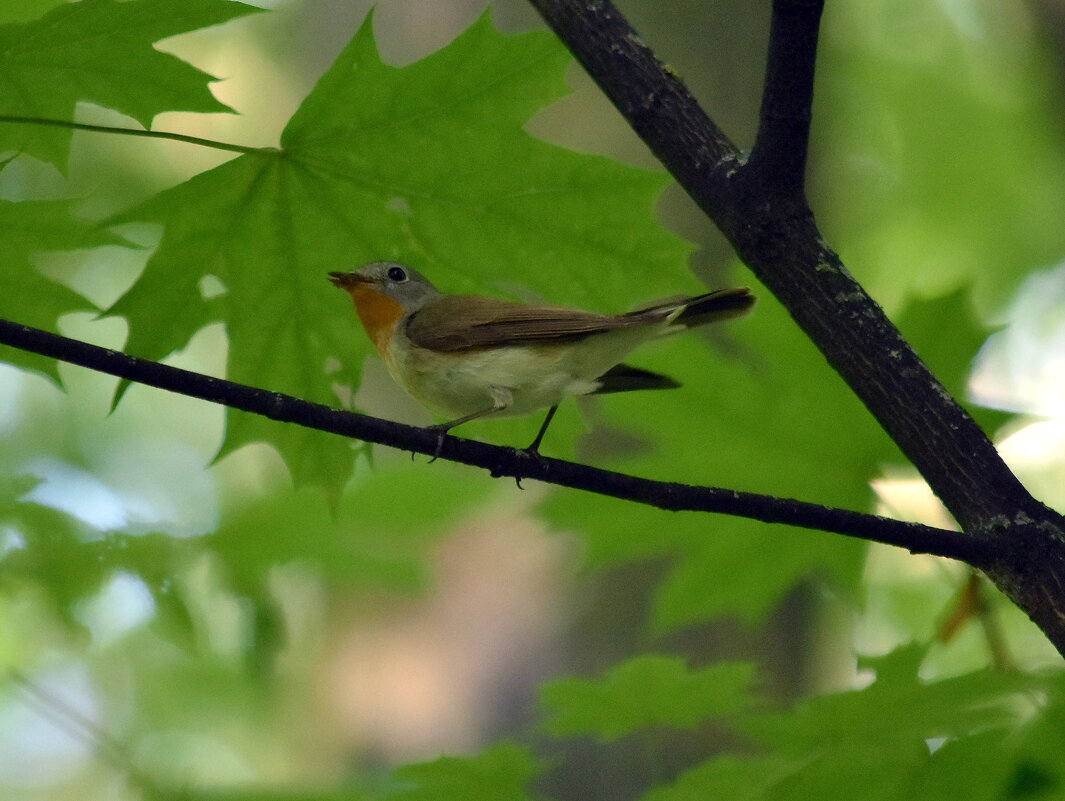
(723, 304)
(626, 378)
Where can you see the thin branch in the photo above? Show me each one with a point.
(65, 716)
(175, 137)
(500, 461)
(69, 720)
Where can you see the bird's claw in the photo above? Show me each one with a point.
(533, 452)
(441, 432)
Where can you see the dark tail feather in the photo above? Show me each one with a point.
(623, 378)
(721, 305)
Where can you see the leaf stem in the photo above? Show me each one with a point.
(176, 137)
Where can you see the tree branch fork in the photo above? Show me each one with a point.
(499, 461)
(758, 202)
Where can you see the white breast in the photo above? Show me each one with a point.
(533, 376)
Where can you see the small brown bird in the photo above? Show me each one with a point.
(465, 356)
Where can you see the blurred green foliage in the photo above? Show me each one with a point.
(218, 581)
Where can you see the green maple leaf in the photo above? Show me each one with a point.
(500, 773)
(728, 776)
(772, 417)
(426, 164)
(649, 690)
(100, 51)
(760, 412)
(23, 10)
(918, 709)
(29, 297)
(901, 737)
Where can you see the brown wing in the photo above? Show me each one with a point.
(462, 322)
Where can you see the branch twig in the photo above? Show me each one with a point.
(499, 461)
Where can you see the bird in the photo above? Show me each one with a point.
(465, 357)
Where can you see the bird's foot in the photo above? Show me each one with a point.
(532, 452)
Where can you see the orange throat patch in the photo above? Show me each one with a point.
(379, 314)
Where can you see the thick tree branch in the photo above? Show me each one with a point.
(499, 461)
(759, 205)
(766, 218)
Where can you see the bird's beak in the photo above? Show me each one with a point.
(348, 280)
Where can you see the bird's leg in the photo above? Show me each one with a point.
(501, 399)
(441, 429)
(534, 449)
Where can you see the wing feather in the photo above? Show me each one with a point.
(464, 322)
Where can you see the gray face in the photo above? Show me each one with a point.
(399, 281)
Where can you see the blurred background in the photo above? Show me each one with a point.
(938, 173)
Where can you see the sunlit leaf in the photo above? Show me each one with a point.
(100, 51)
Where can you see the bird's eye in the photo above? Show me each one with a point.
(397, 274)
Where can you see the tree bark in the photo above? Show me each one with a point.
(758, 202)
